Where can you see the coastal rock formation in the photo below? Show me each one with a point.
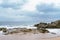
(55, 24)
(41, 27)
(43, 31)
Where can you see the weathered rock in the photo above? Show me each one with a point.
(43, 31)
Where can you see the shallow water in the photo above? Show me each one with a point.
(1, 33)
(57, 31)
(47, 35)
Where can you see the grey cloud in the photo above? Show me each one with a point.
(47, 8)
(7, 4)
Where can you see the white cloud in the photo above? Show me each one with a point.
(27, 12)
(30, 6)
(16, 1)
(1, 1)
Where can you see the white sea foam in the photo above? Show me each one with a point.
(30, 27)
(57, 31)
(21, 26)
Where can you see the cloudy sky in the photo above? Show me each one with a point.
(29, 11)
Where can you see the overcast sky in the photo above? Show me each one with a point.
(30, 11)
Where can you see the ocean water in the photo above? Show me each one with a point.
(47, 35)
(12, 23)
(57, 31)
(21, 25)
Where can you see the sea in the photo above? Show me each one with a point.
(14, 24)
(21, 25)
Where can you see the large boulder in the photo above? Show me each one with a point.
(43, 31)
(40, 25)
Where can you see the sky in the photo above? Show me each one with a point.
(29, 11)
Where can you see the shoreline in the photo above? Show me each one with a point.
(28, 36)
(31, 35)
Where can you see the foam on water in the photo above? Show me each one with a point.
(54, 30)
(1, 33)
(11, 27)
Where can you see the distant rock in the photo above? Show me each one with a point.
(55, 24)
